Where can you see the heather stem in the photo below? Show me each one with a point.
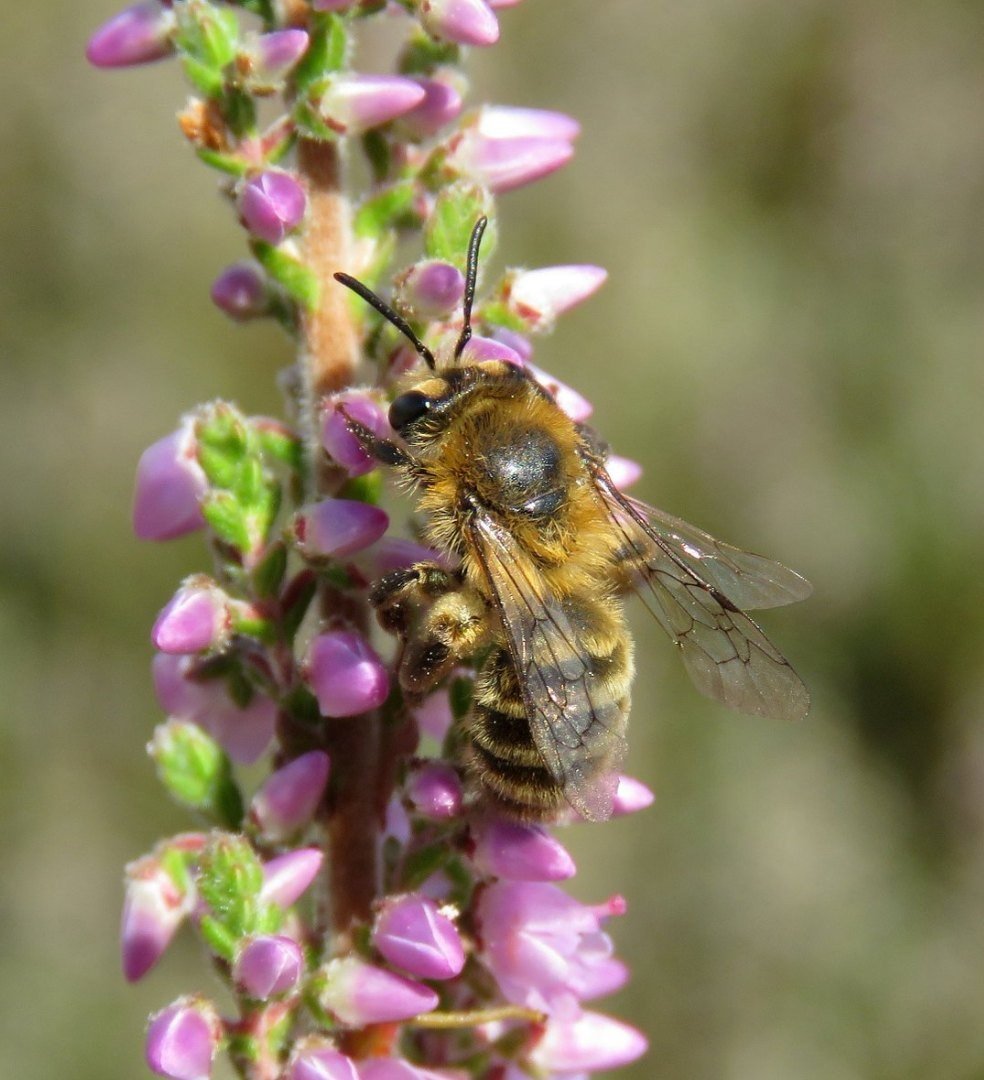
(329, 357)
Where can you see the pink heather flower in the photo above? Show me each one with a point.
(508, 122)
(504, 164)
(315, 1058)
(539, 296)
(153, 909)
(517, 852)
(333, 5)
(396, 824)
(241, 291)
(431, 289)
(631, 795)
(272, 204)
(182, 1039)
(287, 877)
(480, 349)
(623, 471)
(359, 993)
(289, 797)
(274, 54)
(398, 1069)
(546, 950)
(433, 715)
(196, 618)
(345, 673)
(434, 789)
(586, 1043)
(268, 965)
(413, 935)
(334, 528)
(340, 444)
(441, 104)
(465, 22)
(396, 553)
(353, 104)
(244, 733)
(137, 35)
(577, 407)
(519, 343)
(170, 484)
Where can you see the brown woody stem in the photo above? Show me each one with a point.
(329, 359)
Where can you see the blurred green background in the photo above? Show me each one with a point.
(789, 196)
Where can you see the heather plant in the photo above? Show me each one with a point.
(368, 918)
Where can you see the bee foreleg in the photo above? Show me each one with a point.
(385, 451)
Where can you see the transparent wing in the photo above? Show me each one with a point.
(568, 714)
(751, 582)
(695, 587)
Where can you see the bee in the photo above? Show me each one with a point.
(547, 549)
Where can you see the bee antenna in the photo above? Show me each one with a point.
(389, 315)
(471, 276)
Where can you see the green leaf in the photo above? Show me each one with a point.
(449, 228)
(268, 575)
(226, 163)
(496, 313)
(292, 276)
(203, 77)
(196, 771)
(309, 123)
(229, 881)
(377, 151)
(279, 442)
(223, 442)
(218, 938)
(422, 54)
(225, 517)
(249, 485)
(239, 110)
(326, 53)
(366, 488)
(384, 210)
(423, 862)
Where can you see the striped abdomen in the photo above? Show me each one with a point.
(500, 752)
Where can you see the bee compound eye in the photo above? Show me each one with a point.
(407, 408)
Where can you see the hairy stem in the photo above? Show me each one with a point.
(328, 359)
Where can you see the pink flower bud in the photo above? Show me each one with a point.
(316, 1059)
(169, 486)
(441, 105)
(398, 1069)
(137, 35)
(546, 950)
(341, 445)
(507, 122)
(274, 54)
(517, 852)
(479, 349)
(630, 796)
(153, 909)
(623, 471)
(504, 164)
(587, 1043)
(396, 553)
(431, 289)
(465, 22)
(359, 994)
(539, 296)
(577, 407)
(434, 789)
(353, 104)
(241, 291)
(182, 1039)
(267, 966)
(289, 797)
(243, 732)
(345, 673)
(272, 204)
(412, 934)
(333, 5)
(196, 618)
(334, 528)
(286, 877)
(433, 715)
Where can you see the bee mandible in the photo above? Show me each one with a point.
(547, 547)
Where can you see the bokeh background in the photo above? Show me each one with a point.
(789, 196)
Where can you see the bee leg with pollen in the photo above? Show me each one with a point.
(439, 619)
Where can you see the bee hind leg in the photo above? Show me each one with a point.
(439, 619)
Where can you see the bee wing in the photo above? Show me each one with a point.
(695, 587)
(567, 721)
